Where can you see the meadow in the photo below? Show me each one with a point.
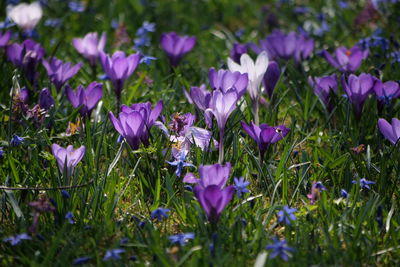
(199, 133)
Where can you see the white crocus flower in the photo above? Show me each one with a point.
(255, 71)
(26, 16)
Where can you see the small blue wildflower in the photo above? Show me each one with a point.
(364, 183)
(16, 140)
(124, 241)
(15, 240)
(320, 186)
(147, 59)
(120, 139)
(81, 260)
(1, 152)
(343, 193)
(146, 28)
(76, 6)
(286, 215)
(113, 254)
(188, 188)
(114, 23)
(181, 239)
(239, 33)
(159, 213)
(280, 248)
(65, 194)
(180, 162)
(7, 23)
(70, 217)
(301, 10)
(141, 41)
(343, 4)
(241, 186)
(12, 2)
(52, 22)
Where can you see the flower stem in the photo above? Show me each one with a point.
(255, 111)
(221, 146)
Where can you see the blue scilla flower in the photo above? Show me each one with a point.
(113, 254)
(15, 240)
(180, 162)
(344, 194)
(280, 248)
(241, 186)
(146, 28)
(364, 183)
(76, 6)
(181, 239)
(1, 152)
(286, 215)
(7, 23)
(81, 260)
(159, 214)
(70, 217)
(147, 60)
(16, 140)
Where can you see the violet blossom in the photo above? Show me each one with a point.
(60, 72)
(390, 131)
(85, 98)
(67, 158)
(90, 46)
(346, 60)
(176, 46)
(323, 88)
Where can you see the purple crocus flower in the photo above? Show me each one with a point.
(148, 114)
(4, 38)
(224, 80)
(390, 131)
(45, 99)
(280, 248)
(176, 46)
(264, 135)
(237, 51)
(67, 157)
(323, 86)
(129, 125)
(60, 72)
(285, 46)
(316, 189)
(286, 215)
(87, 98)
(213, 199)
(347, 60)
(201, 97)
(357, 90)
(90, 46)
(271, 78)
(119, 68)
(26, 56)
(210, 189)
(385, 92)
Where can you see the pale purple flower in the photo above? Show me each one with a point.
(4, 38)
(85, 98)
(181, 239)
(255, 71)
(26, 16)
(129, 125)
(60, 72)
(176, 46)
(346, 60)
(201, 97)
(385, 92)
(390, 131)
(119, 68)
(90, 46)
(215, 174)
(358, 90)
(286, 215)
(265, 135)
(324, 87)
(285, 46)
(222, 105)
(26, 56)
(67, 157)
(224, 80)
